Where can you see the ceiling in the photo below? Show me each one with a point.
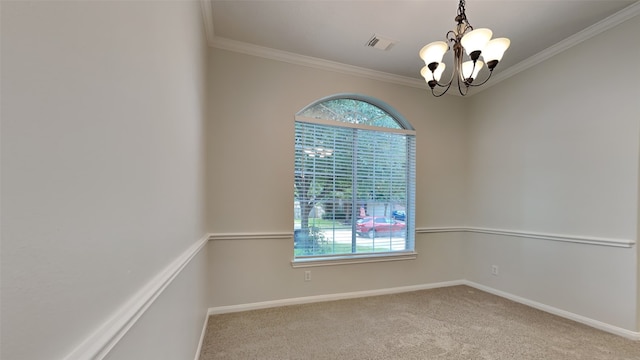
(338, 31)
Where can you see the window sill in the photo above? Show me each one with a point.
(352, 259)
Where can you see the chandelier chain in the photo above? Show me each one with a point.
(462, 15)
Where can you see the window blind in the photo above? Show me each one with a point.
(354, 190)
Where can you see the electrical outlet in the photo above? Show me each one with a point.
(494, 270)
(307, 275)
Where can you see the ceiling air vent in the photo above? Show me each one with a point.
(380, 42)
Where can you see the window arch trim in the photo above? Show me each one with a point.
(401, 120)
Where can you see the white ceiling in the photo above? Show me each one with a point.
(338, 31)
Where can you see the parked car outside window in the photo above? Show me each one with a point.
(373, 226)
(399, 215)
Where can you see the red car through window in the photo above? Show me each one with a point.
(371, 226)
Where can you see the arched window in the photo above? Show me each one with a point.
(354, 180)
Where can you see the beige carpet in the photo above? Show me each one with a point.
(448, 323)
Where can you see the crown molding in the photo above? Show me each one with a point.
(621, 16)
(297, 59)
(618, 18)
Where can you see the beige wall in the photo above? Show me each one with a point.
(555, 150)
(172, 326)
(250, 151)
(103, 182)
(549, 151)
(102, 171)
(250, 155)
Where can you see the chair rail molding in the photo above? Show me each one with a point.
(624, 243)
(98, 345)
(285, 235)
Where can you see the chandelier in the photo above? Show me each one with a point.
(463, 39)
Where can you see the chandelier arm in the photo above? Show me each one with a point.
(473, 70)
(453, 73)
(448, 83)
(485, 80)
(445, 90)
(463, 93)
(438, 95)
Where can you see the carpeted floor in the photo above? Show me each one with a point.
(447, 323)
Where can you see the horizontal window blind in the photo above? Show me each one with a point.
(354, 190)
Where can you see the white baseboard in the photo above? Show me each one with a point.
(357, 294)
(633, 335)
(204, 332)
(328, 297)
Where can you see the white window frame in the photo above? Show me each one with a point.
(349, 258)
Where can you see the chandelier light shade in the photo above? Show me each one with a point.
(437, 74)
(494, 50)
(470, 70)
(475, 41)
(434, 52)
(464, 39)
